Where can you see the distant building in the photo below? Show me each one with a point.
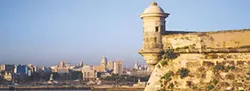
(143, 67)
(61, 68)
(54, 68)
(88, 73)
(136, 66)
(7, 67)
(1, 76)
(102, 67)
(111, 65)
(7, 76)
(81, 64)
(46, 69)
(138, 73)
(118, 67)
(62, 64)
(104, 61)
(1, 67)
(103, 75)
(76, 68)
(21, 69)
(31, 69)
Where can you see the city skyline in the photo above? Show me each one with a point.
(80, 62)
(46, 32)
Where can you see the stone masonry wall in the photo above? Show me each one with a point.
(203, 61)
(202, 72)
(220, 39)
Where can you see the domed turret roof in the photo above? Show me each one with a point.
(154, 8)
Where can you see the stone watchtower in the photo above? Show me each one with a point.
(153, 27)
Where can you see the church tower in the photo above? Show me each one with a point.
(153, 27)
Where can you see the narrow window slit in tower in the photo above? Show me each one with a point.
(156, 29)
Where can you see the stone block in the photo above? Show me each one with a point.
(220, 62)
(224, 84)
(240, 62)
(207, 63)
(230, 62)
(230, 76)
(193, 64)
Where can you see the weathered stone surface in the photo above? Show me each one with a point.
(212, 60)
(207, 63)
(230, 76)
(202, 73)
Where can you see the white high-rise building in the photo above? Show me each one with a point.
(136, 66)
(118, 67)
(111, 65)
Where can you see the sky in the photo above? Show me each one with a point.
(44, 32)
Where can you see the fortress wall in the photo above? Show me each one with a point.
(221, 39)
(226, 39)
(225, 71)
(175, 41)
(207, 70)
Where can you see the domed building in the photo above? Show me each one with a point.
(103, 66)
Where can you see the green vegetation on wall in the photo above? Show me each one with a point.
(170, 54)
(164, 62)
(167, 76)
(210, 87)
(183, 72)
(165, 79)
(223, 68)
(171, 86)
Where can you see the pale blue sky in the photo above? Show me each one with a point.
(44, 32)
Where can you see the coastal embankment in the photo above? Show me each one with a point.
(84, 88)
(45, 88)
